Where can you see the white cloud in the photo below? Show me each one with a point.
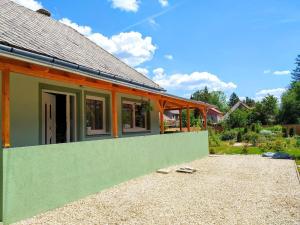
(277, 92)
(163, 3)
(143, 71)
(169, 56)
(126, 5)
(192, 82)
(277, 72)
(282, 72)
(85, 30)
(30, 4)
(131, 47)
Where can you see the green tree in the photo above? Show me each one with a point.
(233, 99)
(296, 71)
(290, 105)
(270, 109)
(239, 118)
(265, 112)
(249, 102)
(216, 98)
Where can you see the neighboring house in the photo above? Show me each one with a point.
(171, 118)
(57, 87)
(214, 116)
(239, 105)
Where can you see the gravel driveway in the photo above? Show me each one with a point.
(226, 190)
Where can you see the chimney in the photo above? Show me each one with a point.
(44, 12)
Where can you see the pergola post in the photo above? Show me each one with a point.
(180, 120)
(204, 114)
(162, 126)
(5, 110)
(188, 119)
(114, 115)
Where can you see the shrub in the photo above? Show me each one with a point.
(214, 140)
(228, 135)
(278, 146)
(244, 149)
(253, 127)
(245, 130)
(297, 144)
(284, 132)
(276, 128)
(212, 151)
(292, 132)
(239, 137)
(251, 137)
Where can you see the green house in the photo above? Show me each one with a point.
(76, 119)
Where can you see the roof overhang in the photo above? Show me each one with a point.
(28, 63)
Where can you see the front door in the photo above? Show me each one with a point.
(49, 118)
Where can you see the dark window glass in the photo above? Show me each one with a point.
(140, 117)
(127, 116)
(94, 114)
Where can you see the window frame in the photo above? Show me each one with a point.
(97, 131)
(134, 128)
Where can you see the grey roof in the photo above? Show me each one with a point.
(31, 31)
(235, 107)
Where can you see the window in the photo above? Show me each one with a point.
(95, 115)
(134, 117)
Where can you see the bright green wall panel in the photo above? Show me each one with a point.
(25, 94)
(40, 178)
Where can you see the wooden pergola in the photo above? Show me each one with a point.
(163, 101)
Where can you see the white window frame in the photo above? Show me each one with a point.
(89, 131)
(134, 129)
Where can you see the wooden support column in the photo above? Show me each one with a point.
(205, 118)
(5, 110)
(162, 125)
(161, 106)
(115, 130)
(204, 115)
(188, 119)
(180, 120)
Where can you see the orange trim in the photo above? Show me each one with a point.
(114, 114)
(44, 72)
(188, 119)
(5, 110)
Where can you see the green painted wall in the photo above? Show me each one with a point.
(40, 178)
(25, 97)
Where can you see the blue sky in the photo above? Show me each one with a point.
(243, 46)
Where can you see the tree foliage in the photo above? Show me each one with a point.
(249, 102)
(233, 99)
(290, 105)
(266, 111)
(296, 71)
(239, 118)
(216, 98)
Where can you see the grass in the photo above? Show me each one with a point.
(226, 148)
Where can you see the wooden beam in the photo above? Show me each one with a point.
(162, 125)
(44, 72)
(188, 119)
(180, 120)
(205, 119)
(114, 114)
(5, 109)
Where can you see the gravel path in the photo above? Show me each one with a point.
(226, 190)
